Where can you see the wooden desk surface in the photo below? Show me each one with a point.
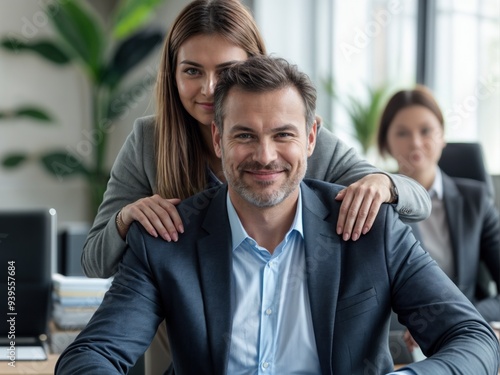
(30, 367)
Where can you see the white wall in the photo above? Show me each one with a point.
(25, 78)
(300, 31)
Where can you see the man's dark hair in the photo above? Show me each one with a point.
(264, 74)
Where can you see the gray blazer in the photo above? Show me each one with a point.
(475, 235)
(352, 286)
(133, 176)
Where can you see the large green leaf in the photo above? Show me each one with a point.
(130, 53)
(14, 159)
(44, 48)
(132, 14)
(34, 113)
(27, 111)
(62, 164)
(82, 32)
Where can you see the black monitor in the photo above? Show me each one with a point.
(27, 248)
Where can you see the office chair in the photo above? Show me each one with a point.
(466, 160)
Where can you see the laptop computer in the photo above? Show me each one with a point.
(27, 247)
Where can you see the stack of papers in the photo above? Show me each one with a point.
(76, 298)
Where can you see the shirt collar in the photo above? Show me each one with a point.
(437, 186)
(239, 234)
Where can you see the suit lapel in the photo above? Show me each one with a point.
(453, 203)
(323, 260)
(215, 259)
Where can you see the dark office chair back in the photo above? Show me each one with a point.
(466, 160)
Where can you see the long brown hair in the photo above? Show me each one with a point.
(420, 95)
(181, 155)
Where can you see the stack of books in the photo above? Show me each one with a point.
(75, 299)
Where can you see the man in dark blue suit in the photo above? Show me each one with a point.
(260, 282)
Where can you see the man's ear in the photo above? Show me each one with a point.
(216, 139)
(311, 138)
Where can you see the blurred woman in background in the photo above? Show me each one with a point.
(463, 228)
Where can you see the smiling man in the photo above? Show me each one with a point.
(261, 283)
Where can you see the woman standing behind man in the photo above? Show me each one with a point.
(463, 227)
(169, 156)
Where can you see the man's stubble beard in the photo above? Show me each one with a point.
(264, 200)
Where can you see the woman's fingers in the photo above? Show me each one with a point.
(361, 202)
(157, 215)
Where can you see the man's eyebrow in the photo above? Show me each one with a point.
(278, 129)
(284, 128)
(241, 128)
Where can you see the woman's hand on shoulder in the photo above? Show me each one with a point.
(361, 202)
(157, 215)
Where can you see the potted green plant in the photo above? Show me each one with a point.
(82, 40)
(364, 114)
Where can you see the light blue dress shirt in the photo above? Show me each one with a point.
(272, 325)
